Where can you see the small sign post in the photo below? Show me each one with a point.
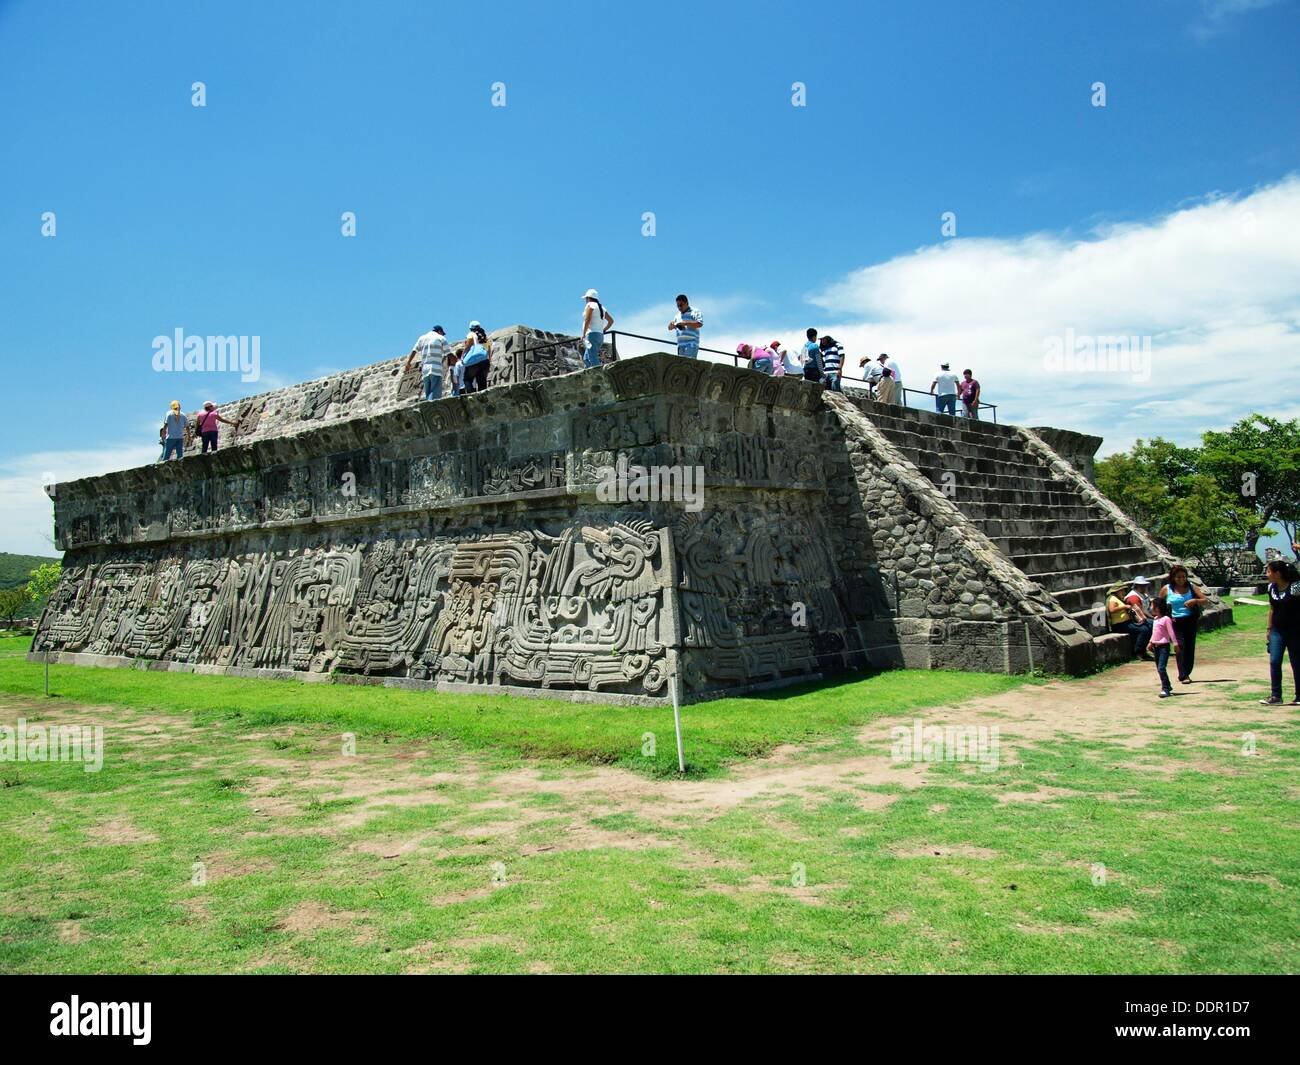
(677, 722)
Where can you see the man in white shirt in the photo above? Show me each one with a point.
(945, 399)
(433, 348)
(885, 363)
(874, 373)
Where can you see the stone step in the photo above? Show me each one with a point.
(1083, 590)
(1115, 647)
(989, 480)
(1028, 528)
(910, 417)
(1057, 562)
(1047, 497)
(1098, 576)
(1030, 515)
(905, 434)
(948, 434)
(1054, 562)
(1013, 456)
(975, 466)
(1035, 543)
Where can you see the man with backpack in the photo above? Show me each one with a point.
(812, 357)
(172, 433)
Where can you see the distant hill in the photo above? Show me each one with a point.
(14, 570)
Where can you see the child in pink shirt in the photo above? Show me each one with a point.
(1162, 639)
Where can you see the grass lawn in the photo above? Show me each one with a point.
(718, 732)
(484, 834)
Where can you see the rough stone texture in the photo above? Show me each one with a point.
(355, 532)
(518, 353)
(1077, 449)
(956, 602)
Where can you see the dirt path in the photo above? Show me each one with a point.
(1119, 706)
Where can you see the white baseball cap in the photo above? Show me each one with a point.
(476, 325)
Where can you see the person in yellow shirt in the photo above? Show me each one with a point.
(1121, 617)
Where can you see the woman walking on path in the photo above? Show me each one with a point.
(1185, 603)
(1283, 628)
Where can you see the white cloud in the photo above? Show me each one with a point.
(1216, 15)
(27, 513)
(1215, 285)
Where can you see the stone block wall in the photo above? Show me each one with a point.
(357, 532)
(465, 542)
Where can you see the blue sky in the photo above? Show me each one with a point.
(225, 219)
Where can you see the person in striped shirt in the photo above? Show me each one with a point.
(832, 358)
(687, 326)
(433, 349)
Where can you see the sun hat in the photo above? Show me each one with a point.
(590, 294)
(1140, 580)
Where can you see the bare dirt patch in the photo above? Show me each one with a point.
(119, 830)
(70, 932)
(312, 916)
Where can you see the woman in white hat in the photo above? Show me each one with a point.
(595, 320)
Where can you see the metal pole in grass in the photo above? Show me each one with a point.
(47, 673)
(677, 722)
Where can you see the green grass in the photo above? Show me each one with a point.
(426, 854)
(716, 732)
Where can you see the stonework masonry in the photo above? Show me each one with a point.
(349, 531)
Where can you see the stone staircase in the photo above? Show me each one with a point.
(1048, 521)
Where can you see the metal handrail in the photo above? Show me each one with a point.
(614, 334)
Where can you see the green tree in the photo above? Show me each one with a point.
(43, 580)
(1163, 488)
(13, 601)
(1257, 462)
(1145, 480)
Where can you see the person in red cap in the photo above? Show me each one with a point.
(778, 358)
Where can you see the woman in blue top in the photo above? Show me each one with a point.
(1185, 604)
(474, 360)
